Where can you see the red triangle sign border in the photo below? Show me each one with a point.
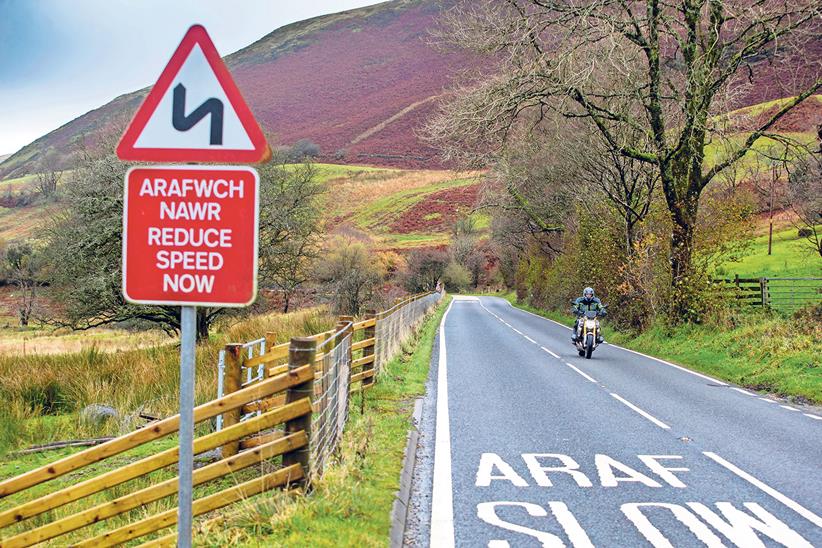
(196, 35)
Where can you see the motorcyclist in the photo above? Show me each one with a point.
(588, 302)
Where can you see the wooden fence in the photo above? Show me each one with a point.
(787, 294)
(279, 428)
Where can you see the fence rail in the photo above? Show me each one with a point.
(280, 405)
(786, 294)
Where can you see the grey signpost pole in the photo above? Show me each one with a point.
(188, 339)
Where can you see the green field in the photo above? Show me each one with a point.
(792, 257)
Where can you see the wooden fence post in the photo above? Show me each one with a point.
(368, 333)
(232, 381)
(301, 352)
(763, 287)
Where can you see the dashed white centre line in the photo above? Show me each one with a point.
(792, 504)
(651, 418)
(591, 379)
(554, 355)
(529, 339)
(813, 416)
(789, 408)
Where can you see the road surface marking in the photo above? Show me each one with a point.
(792, 504)
(767, 400)
(742, 391)
(580, 372)
(529, 339)
(641, 412)
(686, 370)
(813, 416)
(789, 408)
(554, 355)
(442, 503)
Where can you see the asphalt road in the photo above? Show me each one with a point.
(531, 445)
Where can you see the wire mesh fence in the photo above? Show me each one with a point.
(331, 397)
(374, 341)
(396, 325)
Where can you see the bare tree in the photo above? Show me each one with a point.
(352, 274)
(290, 225)
(626, 183)
(675, 62)
(771, 167)
(805, 196)
(48, 175)
(83, 246)
(23, 267)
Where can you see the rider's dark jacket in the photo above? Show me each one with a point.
(587, 305)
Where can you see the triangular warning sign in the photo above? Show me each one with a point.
(194, 113)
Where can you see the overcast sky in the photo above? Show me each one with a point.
(62, 58)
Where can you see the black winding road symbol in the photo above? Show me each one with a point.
(213, 107)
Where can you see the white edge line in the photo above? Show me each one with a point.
(442, 497)
(554, 355)
(685, 369)
(641, 412)
(581, 372)
(742, 391)
(812, 416)
(789, 408)
(792, 504)
(767, 400)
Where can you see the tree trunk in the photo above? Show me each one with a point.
(202, 324)
(684, 216)
(629, 234)
(286, 301)
(770, 237)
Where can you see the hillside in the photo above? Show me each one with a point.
(358, 83)
(392, 208)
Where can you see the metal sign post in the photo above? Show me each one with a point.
(188, 340)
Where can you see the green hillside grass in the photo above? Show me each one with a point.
(792, 257)
(384, 210)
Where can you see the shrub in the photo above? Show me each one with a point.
(456, 277)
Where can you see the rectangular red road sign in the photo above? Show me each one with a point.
(190, 235)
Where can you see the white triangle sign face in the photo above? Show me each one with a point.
(194, 113)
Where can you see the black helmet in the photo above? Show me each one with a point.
(588, 292)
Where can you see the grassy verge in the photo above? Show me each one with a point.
(351, 504)
(759, 351)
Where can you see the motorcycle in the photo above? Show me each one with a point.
(589, 334)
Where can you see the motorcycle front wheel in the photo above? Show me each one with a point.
(589, 346)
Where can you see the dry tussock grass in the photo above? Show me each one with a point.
(38, 388)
